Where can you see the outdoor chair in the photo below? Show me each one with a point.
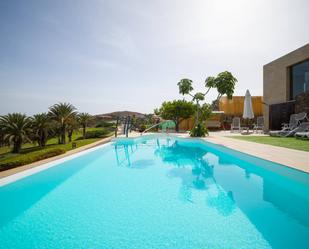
(259, 124)
(213, 124)
(295, 120)
(301, 117)
(235, 124)
(304, 126)
(302, 135)
(292, 124)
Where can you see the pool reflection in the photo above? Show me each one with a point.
(124, 153)
(195, 168)
(267, 194)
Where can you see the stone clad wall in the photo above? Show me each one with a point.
(276, 79)
(302, 103)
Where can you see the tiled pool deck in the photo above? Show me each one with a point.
(292, 158)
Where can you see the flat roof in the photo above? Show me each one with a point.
(306, 46)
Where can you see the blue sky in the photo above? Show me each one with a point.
(113, 55)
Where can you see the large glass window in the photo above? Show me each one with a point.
(299, 78)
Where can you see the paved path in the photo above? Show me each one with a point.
(292, 158)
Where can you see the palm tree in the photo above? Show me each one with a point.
(72, 126)
(84, 119)
(1, 137)
(41, 127)
(16, 128)
(62, 113)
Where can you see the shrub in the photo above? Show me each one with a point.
(96, 133)
(199, 131)
(104, 124)
(30, 157)
(142, 128)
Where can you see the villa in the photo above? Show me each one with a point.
(113, 185)
(147, 125)
(286, 87)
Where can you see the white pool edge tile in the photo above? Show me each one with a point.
(20, 175)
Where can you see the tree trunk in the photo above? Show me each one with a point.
(177, 125)
(197, 114)
(38, 139)
(63, 138)
(16, 146)
(157, 123)
(1, 140)
(70, 133)
(63, 130)
(43, 139)
(84, 131)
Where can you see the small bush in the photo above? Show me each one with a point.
(142, 128)
(30, 157)
(96, 134)
(199, 131)
(104, 124)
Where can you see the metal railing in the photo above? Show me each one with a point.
(148, 129)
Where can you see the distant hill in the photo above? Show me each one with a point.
(121, 114)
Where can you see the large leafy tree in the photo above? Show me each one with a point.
(62, 113)
(84, 119)
(176, 110)
(16, 128)
(224, 83)
(41, 126)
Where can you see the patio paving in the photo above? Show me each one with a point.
(292, 158)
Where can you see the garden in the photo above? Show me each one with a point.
(24, 139)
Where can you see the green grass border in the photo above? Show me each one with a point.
(285, 142)
(32, 153)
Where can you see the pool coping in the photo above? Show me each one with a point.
(17, 173)
(295, 159)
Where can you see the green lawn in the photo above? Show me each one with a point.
(287, 142)
(30, 150)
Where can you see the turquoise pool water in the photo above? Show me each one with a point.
(158, 192)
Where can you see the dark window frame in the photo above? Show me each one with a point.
(290, 68)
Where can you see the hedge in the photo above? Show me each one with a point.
(96, 134)
(30, 157)
(105, 124)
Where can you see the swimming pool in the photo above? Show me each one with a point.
(157, 192)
